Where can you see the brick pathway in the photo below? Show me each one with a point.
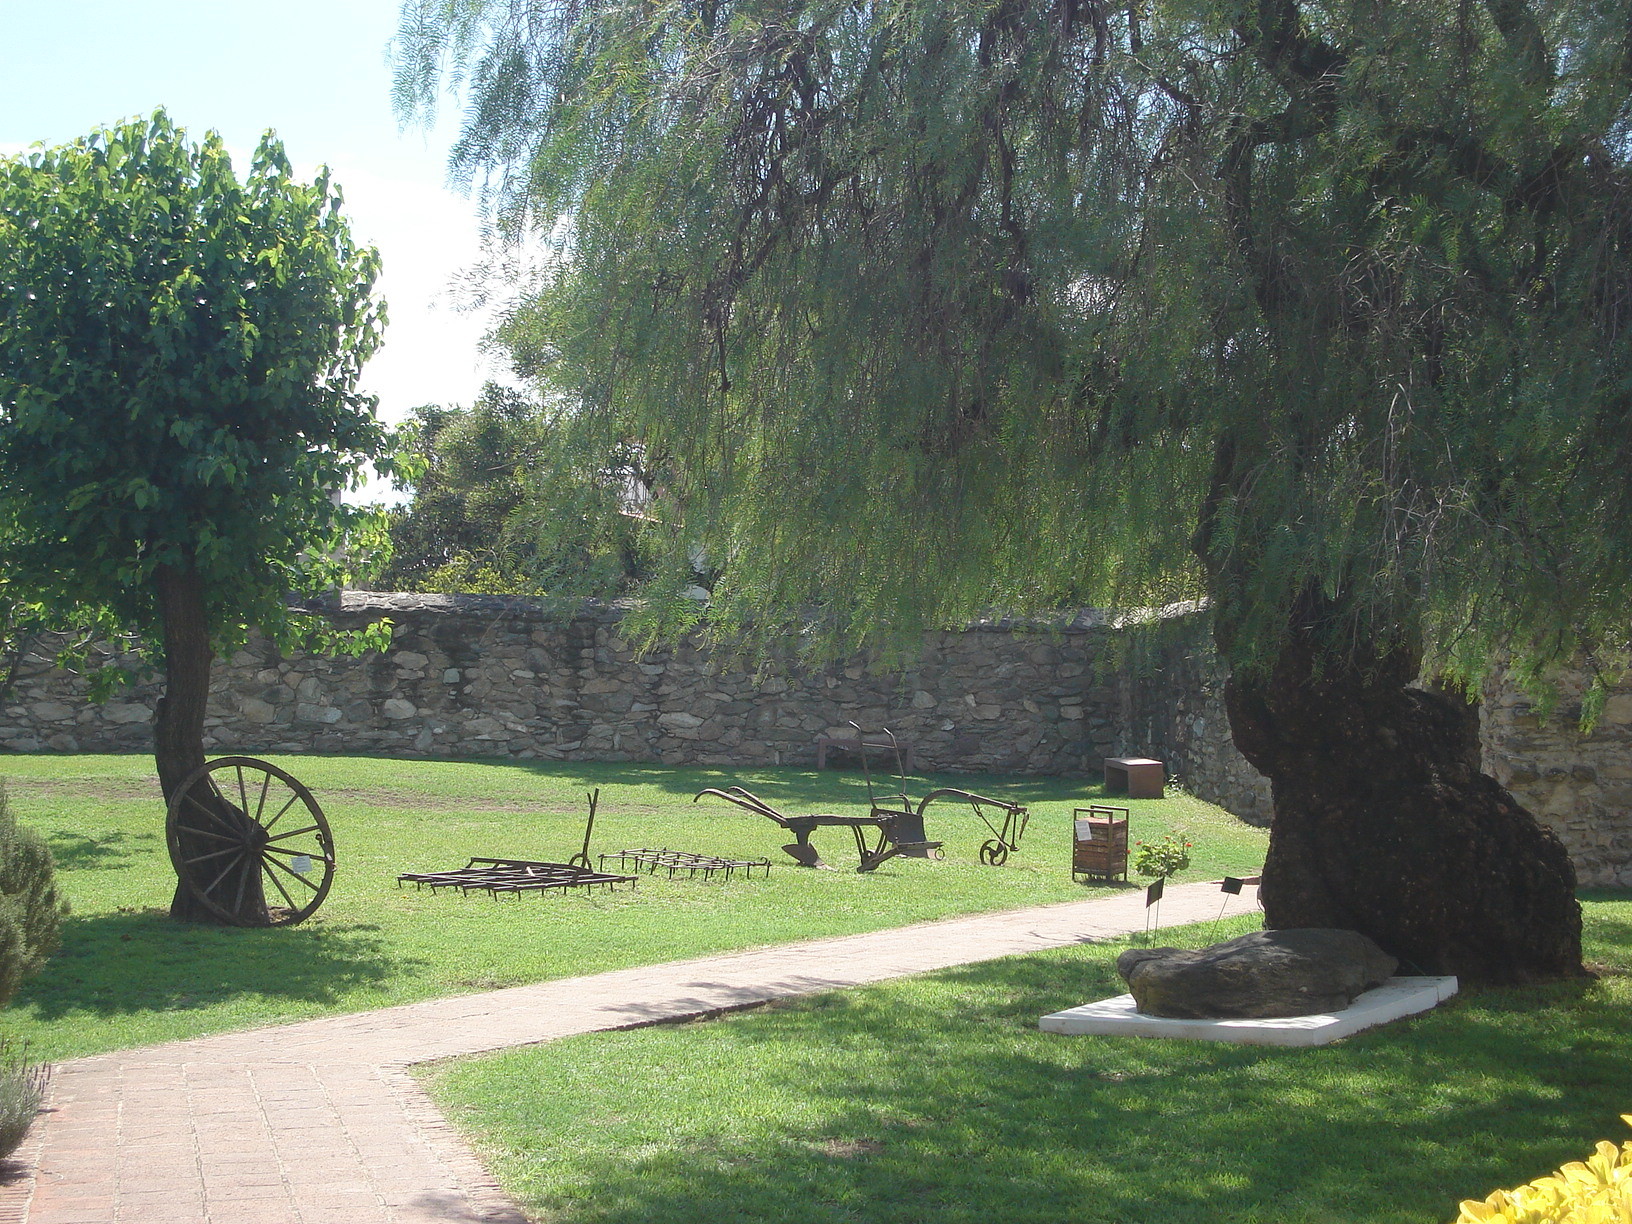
(320, 1122)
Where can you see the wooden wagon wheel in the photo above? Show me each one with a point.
(240, 820)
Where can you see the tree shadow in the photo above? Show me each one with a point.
(108, 851)
(127, 963)
(898, 1106)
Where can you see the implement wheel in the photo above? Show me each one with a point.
(250, 843)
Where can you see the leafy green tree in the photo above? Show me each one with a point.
(504, 503)
(466, 490)
(1316, 310)
(178, 352)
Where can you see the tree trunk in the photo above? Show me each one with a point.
(1384, 823)
(178, 743)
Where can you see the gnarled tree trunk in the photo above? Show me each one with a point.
(1384, 823)
(178, 748)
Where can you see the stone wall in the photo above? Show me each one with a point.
(1579, 784)
(1173, 699)
(479, 676)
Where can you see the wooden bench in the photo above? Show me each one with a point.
(825, 743)
(1135, 777)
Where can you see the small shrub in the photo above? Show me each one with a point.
(30, 910)
(22, 1088)
(1597, 1190)
(1164, 857)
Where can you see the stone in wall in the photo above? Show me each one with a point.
(1577, 783)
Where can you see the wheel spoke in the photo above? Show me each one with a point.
(288, 871)
(210, 887)
(192, 832)
(213, 855)
(209, 811)
(243, 794)
(293, 799)
(293, 853)
(293, 833)
(260, 806)
(221, 796)
(277, 885)
(243, 883)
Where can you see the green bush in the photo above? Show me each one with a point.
(22, 1088)
(1163, 858)
(30, 910)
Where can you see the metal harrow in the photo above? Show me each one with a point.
(498, 876)
(676, 861)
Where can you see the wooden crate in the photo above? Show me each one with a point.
(1100, 843)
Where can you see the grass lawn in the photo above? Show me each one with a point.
(127, 975)
(936, 1098)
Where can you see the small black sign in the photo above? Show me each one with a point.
(1230, 885)
(1153, 894)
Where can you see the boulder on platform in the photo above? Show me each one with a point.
(1298, 972)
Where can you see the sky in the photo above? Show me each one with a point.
(317, 72)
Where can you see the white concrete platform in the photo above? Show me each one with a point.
(1397, 997)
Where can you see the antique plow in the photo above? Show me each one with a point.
(894, 825)
(1005, 835)
(879, 835)
(994, 851)
(497, 876)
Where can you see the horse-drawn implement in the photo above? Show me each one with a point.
(893, 826)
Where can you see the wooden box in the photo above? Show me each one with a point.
(1100, 842)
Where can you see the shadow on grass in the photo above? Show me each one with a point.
(943, 1102)
(99, 851)
(126, 963)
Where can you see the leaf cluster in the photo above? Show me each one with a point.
(504, 503)
(178, 352)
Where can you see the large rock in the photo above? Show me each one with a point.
(1258, 976)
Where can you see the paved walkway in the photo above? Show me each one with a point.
(321, 1123)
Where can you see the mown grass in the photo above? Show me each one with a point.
(127, 975)
(937, 1099)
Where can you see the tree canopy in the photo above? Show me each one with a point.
(1316, 310)
(1072, 300)
(501, 504)
(178, 351)
(178, 416)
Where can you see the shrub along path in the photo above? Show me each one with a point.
(320, 1122)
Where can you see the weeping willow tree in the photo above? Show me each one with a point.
(1317, 311)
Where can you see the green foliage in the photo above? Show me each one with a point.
(467, 486)
(505, 503)
(22, 1088)
(178, 350)
(30, 909)
(1168, 855)
(929, 307)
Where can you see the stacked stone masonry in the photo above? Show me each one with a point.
(488, 677)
